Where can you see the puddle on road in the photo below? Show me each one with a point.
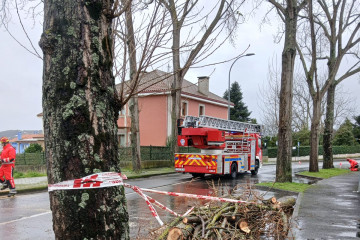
(141, 225)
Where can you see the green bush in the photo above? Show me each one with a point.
(305, 150)
(33, 148)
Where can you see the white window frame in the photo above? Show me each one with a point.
(122, 112)
(202, 106)
(124, 138)
(187, 108)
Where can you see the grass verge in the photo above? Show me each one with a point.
(301, 187)
(325, 173)
(28, 174)
(292, 187)
(147, 172)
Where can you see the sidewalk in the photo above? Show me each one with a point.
(329, 210)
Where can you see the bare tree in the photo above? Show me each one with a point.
(288, 11)
(143, 43)
(80, 108)
(313, 44)
(270, 96)
(195, 48)
(340, 22)
(302, 103)
(28, 8)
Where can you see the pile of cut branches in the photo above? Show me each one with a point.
(251, 220)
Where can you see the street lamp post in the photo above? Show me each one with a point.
(246, 55)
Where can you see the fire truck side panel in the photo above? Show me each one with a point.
(196, 163)
(228, 160)
(220, 164)
(253, 152)
(227, 164)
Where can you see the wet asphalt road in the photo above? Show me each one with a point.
(29, 216)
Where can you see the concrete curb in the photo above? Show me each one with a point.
(308, 177)
(293, 223)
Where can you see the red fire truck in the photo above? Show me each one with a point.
(227, 147)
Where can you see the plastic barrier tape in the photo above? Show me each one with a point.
(97, 180)
(110, 179)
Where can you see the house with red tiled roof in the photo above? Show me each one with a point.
(22, 141)
(155, 106)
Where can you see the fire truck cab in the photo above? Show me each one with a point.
(227, 147)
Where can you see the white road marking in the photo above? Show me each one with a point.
(24, 218)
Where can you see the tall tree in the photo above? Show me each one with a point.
(356, 128)
(323, 22)
(339, 21)
(240, 111)
(181, 12)
(133, 102)
(315, 89)
(135, 53)
(288, 11)
(80, 108)
(344, 135)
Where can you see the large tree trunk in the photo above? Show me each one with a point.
(176, 88)
(80, 110)
(329, 126)
(133, 103)
(314, 135)
(330, 105)
(283, 162)
(135, 133)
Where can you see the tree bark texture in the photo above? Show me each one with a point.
(328, 161)
(80, 110)
(314, 134)
(176, 86)
(133, 103)
(284, 153)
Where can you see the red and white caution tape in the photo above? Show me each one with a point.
(145, 197)
(163, 207)
(110, 179)
(97, 180)
(188, 195)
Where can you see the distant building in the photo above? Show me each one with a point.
(23, 141)
(155, 106)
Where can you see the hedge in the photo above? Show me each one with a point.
(305, 150)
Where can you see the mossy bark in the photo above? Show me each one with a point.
(314, 134)
(80, 110)
(283, 162)
(328, 161)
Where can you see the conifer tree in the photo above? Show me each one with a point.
(240, 111)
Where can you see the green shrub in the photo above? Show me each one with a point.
(33, 148)
(305, 150)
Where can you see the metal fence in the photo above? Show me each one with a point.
(151, 153)
(148, 153)
(30, 158)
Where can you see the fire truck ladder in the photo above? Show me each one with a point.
(221, 124)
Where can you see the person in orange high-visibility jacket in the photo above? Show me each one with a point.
(7, 158)
(354, 166)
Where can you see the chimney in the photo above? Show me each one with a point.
(19, 135)
(203, 85)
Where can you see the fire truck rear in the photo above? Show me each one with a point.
(227, 147)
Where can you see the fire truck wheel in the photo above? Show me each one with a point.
(233, 173)
(199, 175)
(254, 172)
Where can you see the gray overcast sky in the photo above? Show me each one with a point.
(21, 72)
